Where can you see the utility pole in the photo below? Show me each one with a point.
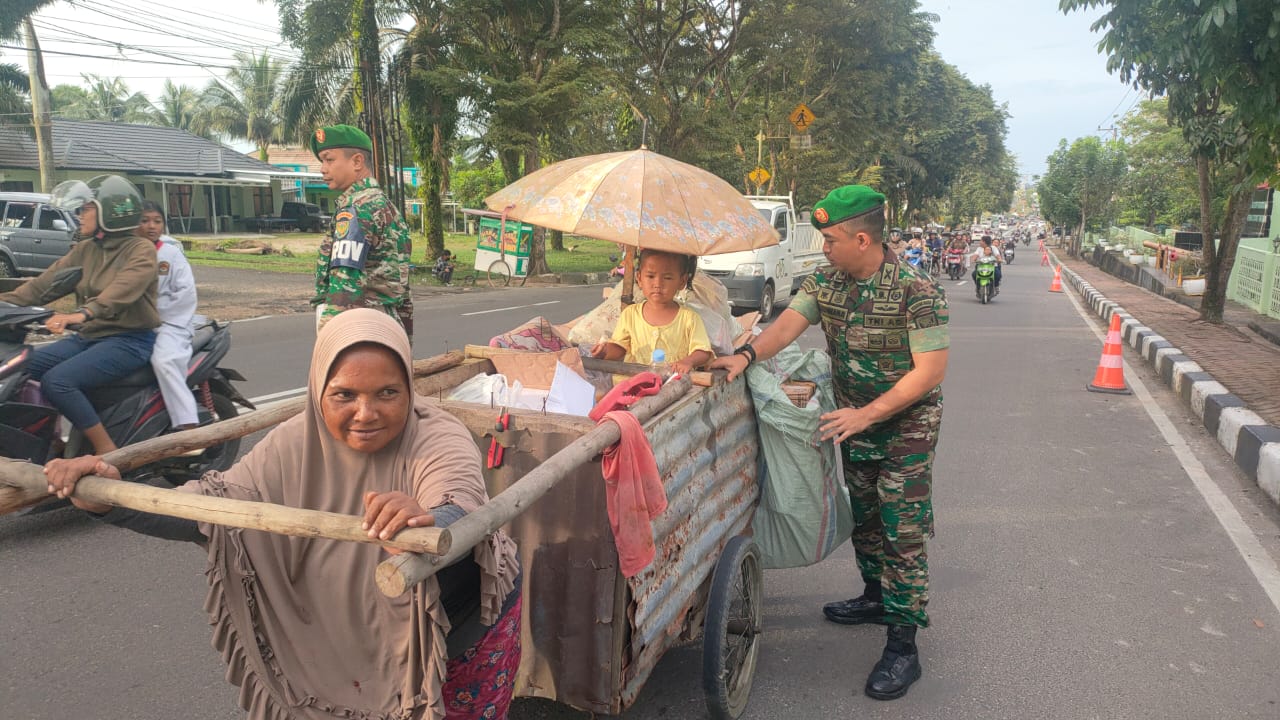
(40, 118)
(1113, 130)
(368, 88)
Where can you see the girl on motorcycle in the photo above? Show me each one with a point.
(985, 250)
(116, 298)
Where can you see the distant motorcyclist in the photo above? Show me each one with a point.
(983, 251)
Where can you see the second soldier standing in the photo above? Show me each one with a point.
(364, 260)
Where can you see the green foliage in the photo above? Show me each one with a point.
(1160, 187)
(1218, 61)
(471, 185)
(1080, 181)
(246, 105)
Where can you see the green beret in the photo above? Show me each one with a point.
(843, 203)
(340, 136)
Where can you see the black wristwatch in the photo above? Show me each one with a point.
(747, 350)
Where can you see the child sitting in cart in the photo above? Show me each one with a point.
(659, 322)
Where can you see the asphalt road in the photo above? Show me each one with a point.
(1078, 569)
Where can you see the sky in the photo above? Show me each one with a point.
(1043, 64)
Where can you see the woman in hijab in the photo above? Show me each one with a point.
(303, 629)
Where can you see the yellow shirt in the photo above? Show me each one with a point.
(680, 338)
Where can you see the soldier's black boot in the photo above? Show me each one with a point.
(899, 666)
(866, 608)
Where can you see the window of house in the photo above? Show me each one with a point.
(180, 200)
(263, 201)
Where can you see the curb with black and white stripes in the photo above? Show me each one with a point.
(1250, 440)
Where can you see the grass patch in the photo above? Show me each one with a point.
(270, 263)
(580, 255)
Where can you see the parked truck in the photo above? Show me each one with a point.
(293, 215)
(766, 278)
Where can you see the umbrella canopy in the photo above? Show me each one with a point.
(638, 198)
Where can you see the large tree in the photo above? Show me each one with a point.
(1079, 184)
(15, 99)
(1160, 187)
(246, 105)
(1218, 61)
(179, 106)
(104, 98)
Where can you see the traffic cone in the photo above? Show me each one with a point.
(1110, 375)
(1056, 285)
(1044, 257)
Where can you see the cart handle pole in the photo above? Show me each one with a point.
(270, 517)
(400, 573)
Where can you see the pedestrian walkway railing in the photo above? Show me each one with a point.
(1255, 279)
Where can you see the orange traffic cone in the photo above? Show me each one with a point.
(1056, 285)
(1044, 257)
(1110, 375)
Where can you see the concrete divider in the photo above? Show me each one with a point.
(1253, 444)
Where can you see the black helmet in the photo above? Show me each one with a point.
(117, 200)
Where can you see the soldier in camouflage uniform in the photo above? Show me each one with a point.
(886, 328)
(364, 261)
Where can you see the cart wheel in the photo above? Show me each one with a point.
(731, 635)
(499, 274)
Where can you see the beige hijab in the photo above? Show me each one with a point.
(300, 622)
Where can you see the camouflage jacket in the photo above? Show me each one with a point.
(364, 260)
(872, 327)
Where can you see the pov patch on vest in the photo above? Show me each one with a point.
(350, 245)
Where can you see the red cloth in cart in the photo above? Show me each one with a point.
(624, 395)
(634, 495)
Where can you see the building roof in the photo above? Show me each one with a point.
(126, 148)
(293, 155)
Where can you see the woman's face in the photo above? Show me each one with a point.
(152, 226)
(366, 400)
(88, 219)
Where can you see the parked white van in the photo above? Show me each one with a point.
(766, 278)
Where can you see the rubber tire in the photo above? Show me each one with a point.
(223, 455)
(984, 294)
(7, 270)
(737, 577)
(766, 306)
(499, 274)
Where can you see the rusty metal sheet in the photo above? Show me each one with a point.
(708, 452)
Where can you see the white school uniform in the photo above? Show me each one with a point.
(176, 303)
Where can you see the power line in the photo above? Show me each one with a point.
(1112, 114)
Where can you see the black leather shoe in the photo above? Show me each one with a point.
(899, 666)
(866, 608)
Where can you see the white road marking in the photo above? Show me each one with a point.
(1261, 564)
(513, 307)
(283, 394)
(962, 282)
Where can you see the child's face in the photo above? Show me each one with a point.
(661, 277)
(152, 226)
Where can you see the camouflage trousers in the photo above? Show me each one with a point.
(892, 519)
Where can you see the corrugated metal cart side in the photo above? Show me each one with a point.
(591, 638)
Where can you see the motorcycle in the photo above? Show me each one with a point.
(916, 258)
(955, 264)
(131, 409)
(1008, 252)
(985, 285)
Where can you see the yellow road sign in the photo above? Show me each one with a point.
(802, 117)
(759, 176)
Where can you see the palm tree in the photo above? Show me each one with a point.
(179, 107)
(108, 98)
(247, 106)
(15, 96)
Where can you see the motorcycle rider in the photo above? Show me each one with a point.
(116, 298)
(955, 252)
(985, 250)
(935, 252)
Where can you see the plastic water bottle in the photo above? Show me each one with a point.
(659, 364)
